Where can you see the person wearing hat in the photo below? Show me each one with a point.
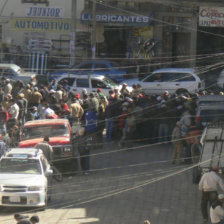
(208, 185)
(177, 143)
(76, 111)
(8, 87)
(22, 103)
(78, 99)
(19, 218)
(124, 91)
(217, 211)
(34, 219)
(93, 103)
(36, 98)
(83, 143)
(46, 148)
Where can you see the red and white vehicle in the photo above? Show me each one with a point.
(59, 132)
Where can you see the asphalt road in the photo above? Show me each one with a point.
(124, 186)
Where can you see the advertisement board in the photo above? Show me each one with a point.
(62, 26)
(211, 16)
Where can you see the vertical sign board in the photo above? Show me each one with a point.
(211, 16)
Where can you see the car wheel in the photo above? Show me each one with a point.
(181, 91)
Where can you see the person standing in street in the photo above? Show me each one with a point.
(46, 148)
(208, 185)
(217, 211)
(76, 112)
(3, 148)
(82, 143)
(177, 143)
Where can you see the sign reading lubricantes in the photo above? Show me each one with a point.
(211, 16)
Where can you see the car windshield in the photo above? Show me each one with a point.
(109, 82)
(31, 132)
(20, 166)
(208, 116)
(17, 69)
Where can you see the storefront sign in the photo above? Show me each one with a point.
(211, 16)
(112, 18)
(45, 25)
(45, 12)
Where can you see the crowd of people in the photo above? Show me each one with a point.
(126, 116)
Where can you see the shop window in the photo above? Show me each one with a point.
(84, 83)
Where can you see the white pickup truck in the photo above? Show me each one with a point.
(212, 153)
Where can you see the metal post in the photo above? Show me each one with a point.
(73, 32)
(45, 67)
(33, 61)
(37, 65)
(42, 63)
(94, 30)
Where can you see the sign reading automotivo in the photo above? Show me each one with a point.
(44, 25)
(211, 16)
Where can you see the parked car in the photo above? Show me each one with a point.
(220, 80)
(174, 80)
(25, 178)
(14, 72)
(99, 67)
(59, 132)
(91, 83)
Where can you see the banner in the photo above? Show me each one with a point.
(211, 16)
(44, 25)
(118, 19)
(45, 12)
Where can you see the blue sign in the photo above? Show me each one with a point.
(112, 18)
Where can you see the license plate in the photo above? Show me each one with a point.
(14, 199)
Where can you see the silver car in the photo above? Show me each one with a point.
(25, 176)
(14, 72)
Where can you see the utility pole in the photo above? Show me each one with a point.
(73, 32)
(94, 30)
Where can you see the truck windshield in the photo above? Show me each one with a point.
(20, 166)
(31, 132)
(208, 116)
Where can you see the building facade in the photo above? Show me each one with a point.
(170, 32)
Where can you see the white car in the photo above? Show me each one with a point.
(25, 176)
(173, 80)
(91, 83)
(14, 72)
